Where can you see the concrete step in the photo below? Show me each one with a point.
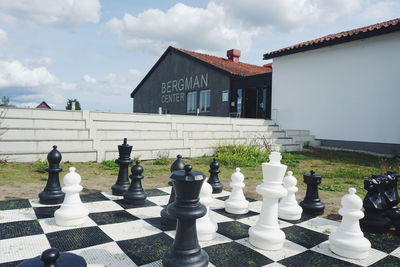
(43, 133)
(12, 122)
(290, 147)
(131, 125)
(73, 156)
(211, 134)
(43, 114)
(297, 132)
(112, 145)
(33, 146)
(206, 127)
(120, 134)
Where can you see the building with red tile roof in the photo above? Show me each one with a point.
(43, 105)
(343, 87)
(192, 83)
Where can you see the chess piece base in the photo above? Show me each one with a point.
(375, 223)
(71, 215)
(342, 249)
(71, 222)
(135, 198)
(267, 239)
(120, 189)
(217, 188)
(290, 213)
(313, 208)
(182, 258)
(232, 210)
(51, 197)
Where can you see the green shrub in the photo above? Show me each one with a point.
(108, 165)
(244, 155)
(161, 161)
(40, 166)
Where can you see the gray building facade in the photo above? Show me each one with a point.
(189, 83)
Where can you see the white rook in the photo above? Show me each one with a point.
(349, 241)
(266, 234)
(288, 207)
(237, 203)
(72, 211)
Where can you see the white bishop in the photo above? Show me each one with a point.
(288, 208)
(206, 226)
(72, 211)
(349, 241)
(237, 203)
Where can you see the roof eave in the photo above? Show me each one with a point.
(349, 38)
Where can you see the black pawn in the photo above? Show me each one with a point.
(52, 193)
(135, 194)
(185, 250)
(167, 219)
(375, 206)
(214, 180)
(312, 204)
(52, 257)
(122, 184)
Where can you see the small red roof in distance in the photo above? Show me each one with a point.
(337, 38)
(43, 105)
(235, 68)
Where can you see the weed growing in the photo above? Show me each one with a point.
(40, 166)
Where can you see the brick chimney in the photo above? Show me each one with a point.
(233, 55)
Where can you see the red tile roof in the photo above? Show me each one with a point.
(337, 38)
(43, 105)
(235, 68)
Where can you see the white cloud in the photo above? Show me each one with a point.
(381, 11)
(3, 37)
(208, 29)
(15, 73)
(89, 79)
(54, 12)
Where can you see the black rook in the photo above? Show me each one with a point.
(185, 250)
(214, 180)
(122, 184)
(312, 204)
(135, 194)
(167, 219)
(52, 193)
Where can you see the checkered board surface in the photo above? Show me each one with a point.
(118, 234)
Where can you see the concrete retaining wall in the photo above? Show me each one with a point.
(29, 134)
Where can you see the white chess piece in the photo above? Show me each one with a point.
(266, 234)
(237, 203)
(349, 241)
(206, 226)
(72, 211)
(288, 209)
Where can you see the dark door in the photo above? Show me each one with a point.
(250, 103)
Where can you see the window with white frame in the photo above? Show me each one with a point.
(205, 100)
(191, 102)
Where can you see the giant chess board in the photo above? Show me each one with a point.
(119, 234)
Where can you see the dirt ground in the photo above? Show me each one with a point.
(104, 183)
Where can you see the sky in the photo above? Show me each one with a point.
(97, 51)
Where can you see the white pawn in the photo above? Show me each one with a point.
(206, 226)
(237, 203)
(266, 234)
(288, 208)
(349, 241)
(72, 211)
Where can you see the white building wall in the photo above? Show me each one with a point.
(347, 92)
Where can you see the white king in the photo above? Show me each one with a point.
(72, 211)
(266, 234)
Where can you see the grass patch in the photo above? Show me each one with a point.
(40, 166)
(240, 155)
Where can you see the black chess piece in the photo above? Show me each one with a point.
(312, 204)
(53, 258)
(375, 206)
(214, 180)
(167, 219)
(392, 195)
(52, 193)
(122, 184)
(135, 194)
(185, 250)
